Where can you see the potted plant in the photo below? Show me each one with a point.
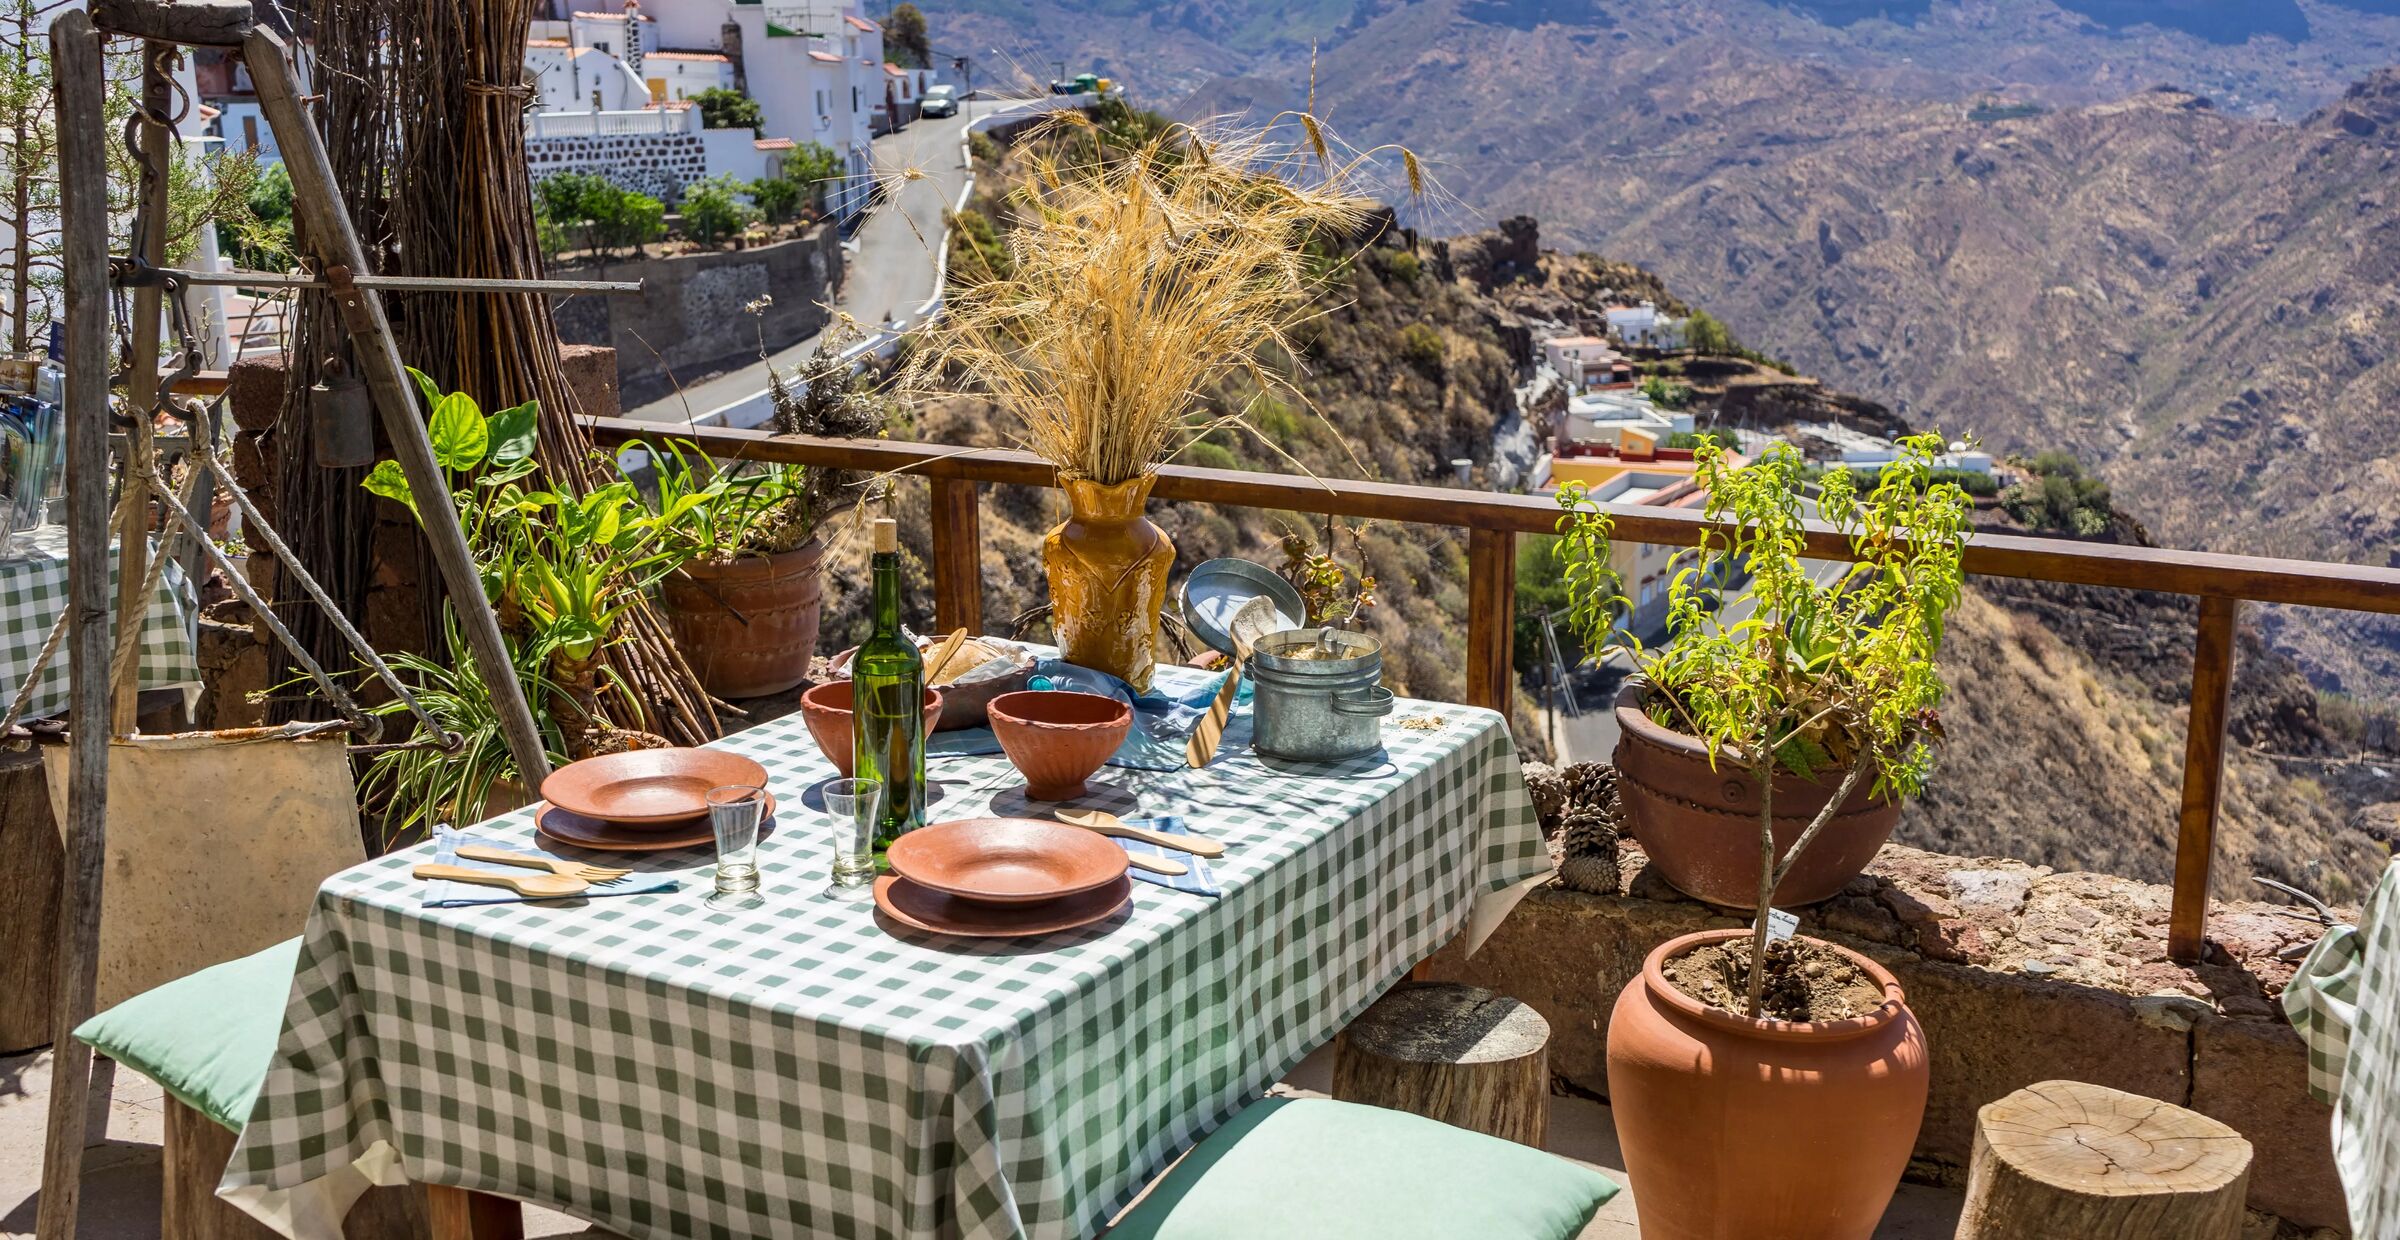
(1788, 717)
(745, 597)
(1136, 276)
(560, 571)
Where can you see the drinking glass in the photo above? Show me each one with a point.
(855, 805)
(734, 811)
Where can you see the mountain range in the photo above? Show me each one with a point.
(2162, 235)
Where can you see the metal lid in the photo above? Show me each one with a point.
(1214, 591)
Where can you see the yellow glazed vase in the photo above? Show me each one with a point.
(1108, 579)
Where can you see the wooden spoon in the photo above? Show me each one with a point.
(1109, 824)
(533, 886)
(1171, 869)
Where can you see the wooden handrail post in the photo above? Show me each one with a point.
(957, 557)
(78, 85)
(2203, 776)
(1491, 617)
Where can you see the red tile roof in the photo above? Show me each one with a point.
(859, 23)
(827, 57)
(670, 105)
(894, 70)
(774, 144)
(545, 42)
(611, 17)
(719, 57)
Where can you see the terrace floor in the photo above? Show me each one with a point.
(121, 1177)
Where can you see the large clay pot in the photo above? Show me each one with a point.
(1699, 825)
(1108, 579)
(748, 628)
(1737, 1129)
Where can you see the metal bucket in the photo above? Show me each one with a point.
(1320, 709)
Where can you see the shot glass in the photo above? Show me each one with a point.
(734, 811)
(855, 805)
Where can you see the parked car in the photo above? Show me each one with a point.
(939, 101)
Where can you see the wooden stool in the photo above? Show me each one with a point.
(2065, 1158)
(1458, 1054)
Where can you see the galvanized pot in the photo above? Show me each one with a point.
(1318, 709)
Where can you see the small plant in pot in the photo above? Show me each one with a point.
(1769, 725)
(745, 598)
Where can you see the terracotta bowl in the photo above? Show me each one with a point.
(1058, 738)
(657, 787)
(1007, 860)
(826, 710)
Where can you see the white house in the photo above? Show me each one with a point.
(1583, 361)
(1644, 325)
(815, 68)
(1611, 418)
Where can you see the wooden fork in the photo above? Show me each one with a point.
(556, 865)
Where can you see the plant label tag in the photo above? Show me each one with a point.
(1780, 925)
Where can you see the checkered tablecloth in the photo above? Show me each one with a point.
(2345, 1001)
(33, 593)
(663, 1069)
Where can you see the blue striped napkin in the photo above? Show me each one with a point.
(1199, 880)
(448, 893)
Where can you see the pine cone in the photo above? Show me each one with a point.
(1589, 829)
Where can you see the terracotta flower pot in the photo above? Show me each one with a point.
(1058, 738)
(1736, 1128)
(826, 709)
(748, 628)
(1699, 825)
(1108, 570)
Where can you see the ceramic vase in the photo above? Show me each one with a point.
(1108, 570)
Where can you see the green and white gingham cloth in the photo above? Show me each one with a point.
(33, 594)
(664, 1069)
(2345, 1001)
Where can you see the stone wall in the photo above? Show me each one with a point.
(2017, 973)
(691, 321)
(657, 164)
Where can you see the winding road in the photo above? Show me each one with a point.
(892, 267)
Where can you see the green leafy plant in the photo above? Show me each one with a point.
(716, 209)
(609, 220)
(728, 109)
(418, 786)
(1829, 680)
(558, 569)
(1666, 394)
(717, 515)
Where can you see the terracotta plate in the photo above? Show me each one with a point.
(1007, 860)
(916, 908)
(564, 826)
(647, 785)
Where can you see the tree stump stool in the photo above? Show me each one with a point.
(1458, 1054)
(2065, 1158)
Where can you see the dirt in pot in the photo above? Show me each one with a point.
(1806, 981)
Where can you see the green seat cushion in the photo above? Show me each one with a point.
(1317, 1169)
(206, 1038)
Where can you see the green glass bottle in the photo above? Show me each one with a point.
(887, 678)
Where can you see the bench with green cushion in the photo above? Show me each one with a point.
(207, 1037)
(1319, 1169)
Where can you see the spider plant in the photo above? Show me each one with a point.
(420, 786)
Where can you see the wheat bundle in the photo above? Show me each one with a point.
(1137, 275)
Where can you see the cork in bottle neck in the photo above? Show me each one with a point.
(887, 534)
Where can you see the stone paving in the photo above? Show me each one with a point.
(121, 1175)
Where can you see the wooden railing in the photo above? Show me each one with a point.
(2222, 583)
